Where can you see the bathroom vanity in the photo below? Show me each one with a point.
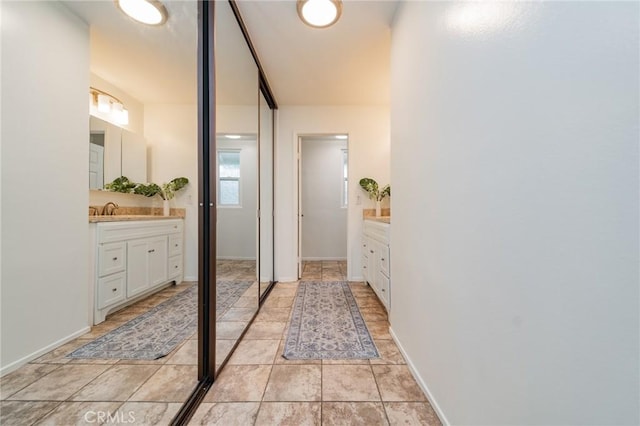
(376, 262)
(132, 257)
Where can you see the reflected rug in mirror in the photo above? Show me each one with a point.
(158, 331)
(327, 324)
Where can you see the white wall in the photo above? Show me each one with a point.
(324, 226)
(236, 231)
(172, 141)
(368, 130)
(515, 208)
(45, 125)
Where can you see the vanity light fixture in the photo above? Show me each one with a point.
(341, 137)
(319, 13)
(150, 12)
(109, 104)
(232, 136)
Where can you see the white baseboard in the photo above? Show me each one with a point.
(22, 361)
(286, 279)
(360, 278)
(421, 382)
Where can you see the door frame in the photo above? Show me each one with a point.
(297, 190)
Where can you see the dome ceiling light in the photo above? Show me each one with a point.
(319, 13)
(150, 12)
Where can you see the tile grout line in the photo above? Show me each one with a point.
(384, 408)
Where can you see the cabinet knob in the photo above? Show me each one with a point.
(364, 267)
(383, 290)
(382, 258)
(114, 290)
(152, 251)
(176, 245)
(176, 267)
(115, 258)
(371, 251)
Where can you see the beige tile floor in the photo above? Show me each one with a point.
(55, 390)
(257, 387)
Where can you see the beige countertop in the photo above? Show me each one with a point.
(129, 217)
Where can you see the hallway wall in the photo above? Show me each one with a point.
(45, 236)
(514, 241)
(368, 130)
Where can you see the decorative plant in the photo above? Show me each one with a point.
(169, 189)
(121, 184)
(148, 190)
(371, 187)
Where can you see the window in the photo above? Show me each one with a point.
(229, 178)
(345, 176)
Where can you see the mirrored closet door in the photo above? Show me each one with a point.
(237, 183)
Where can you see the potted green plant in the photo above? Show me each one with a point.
(167, 191)
(121, 184)
(375, 193)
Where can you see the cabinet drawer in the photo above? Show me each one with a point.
(111, 290)
(365, 268)
(111, 258)
(175, 244)
(175, 267)
(383, 252)
(383, 286)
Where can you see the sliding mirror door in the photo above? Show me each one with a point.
(237, 174)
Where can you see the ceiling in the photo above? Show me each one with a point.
(347, 64)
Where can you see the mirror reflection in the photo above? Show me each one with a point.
(237, 174)
(115, 152)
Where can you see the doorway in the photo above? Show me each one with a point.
(322, 201)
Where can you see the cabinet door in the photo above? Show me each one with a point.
(137, 267)
(157, 251)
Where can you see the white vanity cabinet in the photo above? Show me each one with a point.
(147, 264)
(376, 259)
(132, 259)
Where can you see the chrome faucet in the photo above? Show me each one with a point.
(109, 209)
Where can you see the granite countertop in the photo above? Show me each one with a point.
(129, 217)
(382, 219)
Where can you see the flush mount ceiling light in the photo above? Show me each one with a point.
(109, 105)
(319, 13)
(150, 12)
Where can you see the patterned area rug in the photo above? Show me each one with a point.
(326, 324)
(158, 331)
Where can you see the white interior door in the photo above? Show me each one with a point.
(96, 166)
